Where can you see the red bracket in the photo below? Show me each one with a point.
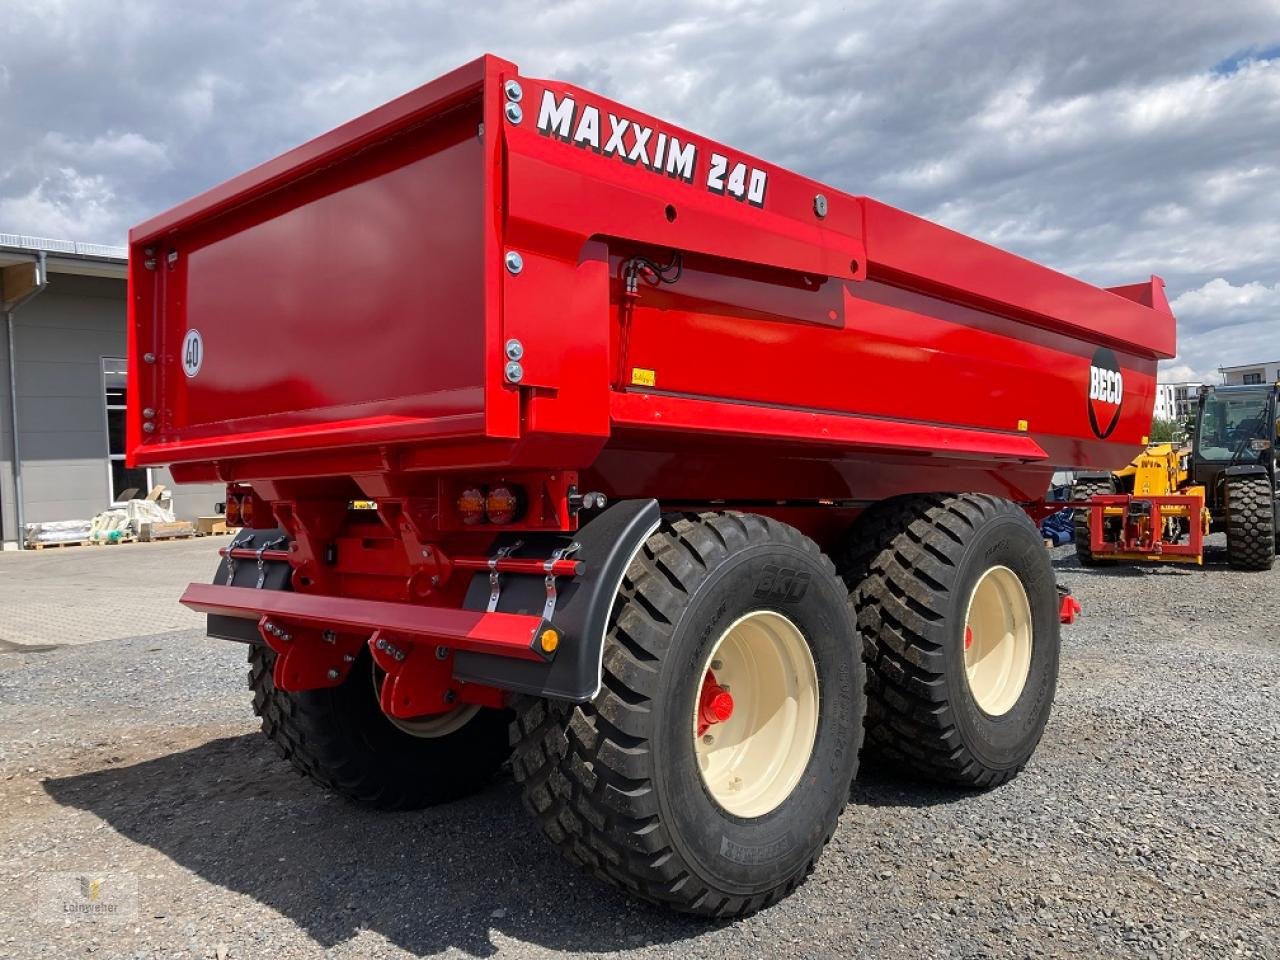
(419, 679)
(308, 658)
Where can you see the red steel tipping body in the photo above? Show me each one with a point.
(343, 311)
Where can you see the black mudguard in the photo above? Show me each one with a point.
(245, 574)
(606, 546)
(1246, 470)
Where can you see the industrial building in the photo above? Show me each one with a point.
(63, 386)
(1247, 373)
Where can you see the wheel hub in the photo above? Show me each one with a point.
(715, 703)
(755, 717)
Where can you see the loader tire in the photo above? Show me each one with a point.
(340, 738)
(629, 788)
(1251, 534)
(1083, 490)
(959, 618)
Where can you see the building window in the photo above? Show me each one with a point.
(115, 389)
(1251, 378)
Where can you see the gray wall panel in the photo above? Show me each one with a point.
(80, 378)
(61, 337)
(58, 415)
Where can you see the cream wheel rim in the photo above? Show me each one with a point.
(752, 758)
(997, 641)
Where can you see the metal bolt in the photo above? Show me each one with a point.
(514, 372)
(820, 206)
(513, 112)
(148, 427)
(269, 627)
(333, 673)
(716, 664)
(514, 262)
(708, 738)
(349, 658)
(285, 637)
(148, 358)
(399, 655)
(329, 636)
(442, 653)
(480, 131)
(172, 258)
(149, 263)
(513, 91)
(515, 349)
(381, 644)
(148, 413)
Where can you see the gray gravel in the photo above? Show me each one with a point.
(1147, 825)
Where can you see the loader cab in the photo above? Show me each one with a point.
(1235, 435)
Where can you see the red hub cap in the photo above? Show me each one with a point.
(715, 703)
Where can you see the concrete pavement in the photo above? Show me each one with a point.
(69, 595)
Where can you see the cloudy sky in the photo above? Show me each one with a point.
(1109, 140)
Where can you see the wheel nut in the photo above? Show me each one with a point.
(708, 738)
(333, 673)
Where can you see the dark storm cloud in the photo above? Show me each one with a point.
(1109, 140)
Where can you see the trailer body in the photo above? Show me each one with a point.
(502, 360)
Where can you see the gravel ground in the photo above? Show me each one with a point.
(1147, 824)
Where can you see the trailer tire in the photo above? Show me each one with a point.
(618, 783)
(1083, 490)
(1251, 535)
(340, 738)
(952, 561)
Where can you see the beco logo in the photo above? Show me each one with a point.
(1106, 393)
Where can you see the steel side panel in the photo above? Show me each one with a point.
(890, 356)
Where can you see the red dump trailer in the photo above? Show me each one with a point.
(543, 415)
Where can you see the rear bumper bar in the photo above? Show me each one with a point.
(499, 634)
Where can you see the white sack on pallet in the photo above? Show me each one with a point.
(58, 531)
(126, 521)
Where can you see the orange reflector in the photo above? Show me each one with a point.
(549, 640)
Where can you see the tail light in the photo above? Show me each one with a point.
(471, 506)
(244, 508)
(504, 504)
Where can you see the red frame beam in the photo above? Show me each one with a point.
(500, 634)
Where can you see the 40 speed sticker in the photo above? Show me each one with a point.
(650, 148)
